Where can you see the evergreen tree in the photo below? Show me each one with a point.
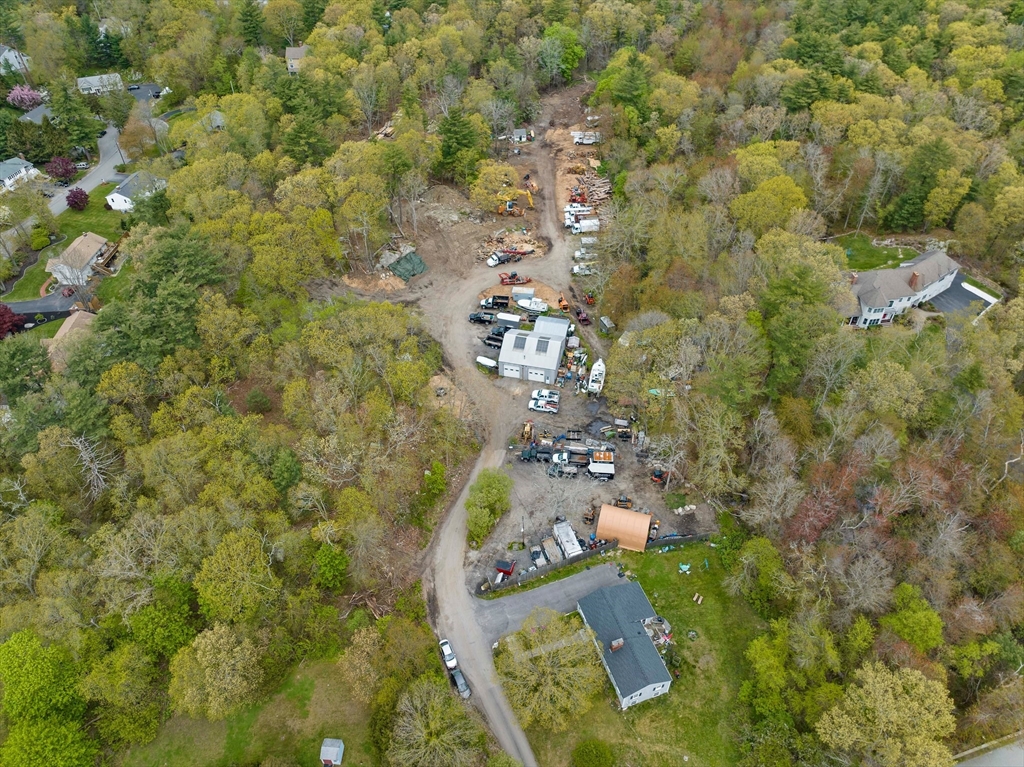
(312, 10)
(70, 109)
(304, 142)
(251, 20)
(457, 136)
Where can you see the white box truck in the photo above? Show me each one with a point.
(586, 225)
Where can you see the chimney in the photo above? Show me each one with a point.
(853, 278)
(617, 644)
(915, 281)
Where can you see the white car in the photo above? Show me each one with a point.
(541, 406)
(546, 395)
(448, 654)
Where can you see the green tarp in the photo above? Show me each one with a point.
(408, 266)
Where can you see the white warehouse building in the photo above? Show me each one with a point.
(534, 355)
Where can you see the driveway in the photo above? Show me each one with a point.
(145, 91)
(110, 156)
(54, 302)
(497, 617)
(959, 296)
(1007, 756)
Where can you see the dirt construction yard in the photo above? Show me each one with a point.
(537, 499)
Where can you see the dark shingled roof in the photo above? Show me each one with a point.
(618, 612)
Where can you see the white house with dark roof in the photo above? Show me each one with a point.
(15, 171)
(883, 294)
(534, 355)
(136, 187)
(100, 84)
(625, 630)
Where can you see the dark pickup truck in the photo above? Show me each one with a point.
(536, 454)
(482, 318)
(496, 302)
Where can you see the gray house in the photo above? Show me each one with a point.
(883, 294)
(137, 186)
(626, 629)
(536, 354)
(36, 115)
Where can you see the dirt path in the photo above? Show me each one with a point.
(444, 311)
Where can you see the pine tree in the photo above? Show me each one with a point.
(251, 20)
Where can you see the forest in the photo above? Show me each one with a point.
(226, 469)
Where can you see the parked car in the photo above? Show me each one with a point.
(101, 134)
(482, 318)
(81, 165)
(541, 406)
(47, 195)
(460, 683)
(133, 87)
(448, 654)
(547, 395)
(584, 270)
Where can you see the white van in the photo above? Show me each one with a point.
(601, 471)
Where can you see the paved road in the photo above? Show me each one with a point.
(455, 611)
(1007, 756)
(54, 302)
(104, 170)
(497, 617)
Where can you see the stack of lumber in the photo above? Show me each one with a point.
(515, 241)
(598, 189)
(387, 131)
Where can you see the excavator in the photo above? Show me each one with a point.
(511, 207)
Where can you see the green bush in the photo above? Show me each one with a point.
(592, 753)
(257, 402)
(489, 498)
(331, 566)
(39, 240)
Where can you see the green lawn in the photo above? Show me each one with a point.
(862, 255)
(982, 287)
(94, 218)
(46, 330)
(112, 288)
(313, 704)
(701, 716)
(28, 286)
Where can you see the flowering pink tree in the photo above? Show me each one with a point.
(23, 97)
(78, 198)
(60, 168)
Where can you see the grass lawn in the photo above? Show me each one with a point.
(700, 717)
(981, 287)
(862, 255)
(313, 704)
(112, 288)
(27, 288)
(94, 218)
(46, 330)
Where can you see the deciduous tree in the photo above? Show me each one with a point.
(215, 675)
(433, 728)
(236, 582)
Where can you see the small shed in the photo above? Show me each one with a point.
(629, 527)
(607, 326)
(331, 752)
(519, 135)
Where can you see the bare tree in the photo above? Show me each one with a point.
(719, 185)
(499, 115)
(413, 186)
(672, 452)
(449, 93)
(833, 360)
(95, 462)
(367, 91)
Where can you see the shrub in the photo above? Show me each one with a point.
(592, 753)
(257, 402)
(39, 240)
(78, 199)
(60, 168)
(23, 97)
(489, 498)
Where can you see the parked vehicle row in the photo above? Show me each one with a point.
(452, 664)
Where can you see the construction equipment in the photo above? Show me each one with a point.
(562, 303)
(624, 502)
(528, 432)
(513, 279)
(589, 298)
(511, 207)
(530, 184)
(660, 476)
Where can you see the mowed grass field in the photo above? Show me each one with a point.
(701, 716)
(313, 704)
(862, 255)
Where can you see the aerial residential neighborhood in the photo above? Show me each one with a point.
(483, 384)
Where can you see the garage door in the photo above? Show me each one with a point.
(533, 374)
(510, 371)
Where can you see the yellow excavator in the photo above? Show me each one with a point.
(511, 207)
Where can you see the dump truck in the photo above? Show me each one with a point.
(495, 302)
(570, 459)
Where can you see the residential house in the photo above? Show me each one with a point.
(626, 630)
(137, 186)
(213, 121)
(100, 84)
(294, 56)
(13, 60)
(36, 115)
(534, 355)
(57, 348)
(884, 294)
(74, 265)
(16, 170)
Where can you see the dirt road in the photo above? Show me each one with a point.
(501, 408)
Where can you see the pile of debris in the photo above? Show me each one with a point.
(591, 189)
(386, 132)
(512, 242)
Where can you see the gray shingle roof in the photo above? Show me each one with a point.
(13, 165)
(880, 286)
(618, 612)
(140, 182)
(36, 115)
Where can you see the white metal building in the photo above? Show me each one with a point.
(536, 354)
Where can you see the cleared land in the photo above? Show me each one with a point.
(701, 716)
(862, 255)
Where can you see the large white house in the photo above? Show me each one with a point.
(74, 265)
(137, 186)
(626, 629)
(16, 170)
(884, 294)
(100, 84)
(536, 354)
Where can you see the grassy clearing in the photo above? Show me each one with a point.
(981, 286)
(113, 288)
(27, 288)
(95, 218)
(46, 330)
(862, 255)
(701, 716)
(311, 705)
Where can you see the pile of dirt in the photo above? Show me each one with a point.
(544, 292)
(372, 283)
(447, 207)
(520, 241)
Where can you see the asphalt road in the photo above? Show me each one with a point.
(1007, 756)
(103, 171)
(472, 625)
(54, 302)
